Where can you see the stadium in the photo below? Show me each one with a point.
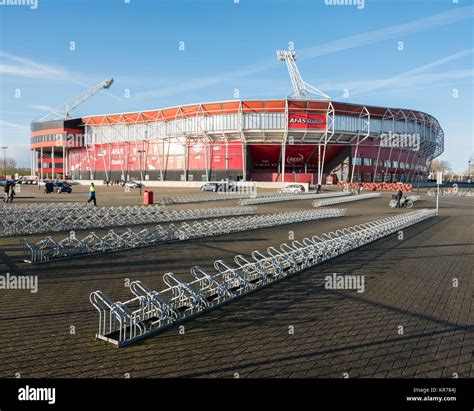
(304, 138)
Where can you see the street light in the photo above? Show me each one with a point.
(4, 148)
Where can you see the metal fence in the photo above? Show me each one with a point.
(87, 218)
(276, 197)
(329, 201)
(150, 311)
(49, 249)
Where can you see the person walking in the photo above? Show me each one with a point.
(399, 198)
(92, 194)
(11, 193)
(7, 191)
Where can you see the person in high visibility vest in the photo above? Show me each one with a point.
(92, 194)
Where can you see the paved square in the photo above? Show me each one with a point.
(408, 283)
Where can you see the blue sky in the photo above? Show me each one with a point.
(231, 45)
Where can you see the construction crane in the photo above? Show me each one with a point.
(301, 89)
(63, 111)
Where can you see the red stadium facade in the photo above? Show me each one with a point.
(259, 140)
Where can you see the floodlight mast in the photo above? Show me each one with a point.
(63, 111)
(301, 89)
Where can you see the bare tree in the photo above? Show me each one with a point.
(440, 165)
(9, 166)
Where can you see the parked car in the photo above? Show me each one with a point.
(210, 187)
(133, 184)
(63, 187)
(292, 188)
(4, 182)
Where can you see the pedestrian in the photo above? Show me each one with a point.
(318, 189)
(92, 194)
(6, 190)
(399, 198)
(11, 193)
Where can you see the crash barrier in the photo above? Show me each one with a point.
(450, 192)
(149, 311)
(276, 197)
(34, 223)
(70, 247)
(328, 201)
(405, 187)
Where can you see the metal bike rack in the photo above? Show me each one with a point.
(70, 247)
(68, 219)
(277, 197)
(150, 311)
(330, 201)
(200, 198)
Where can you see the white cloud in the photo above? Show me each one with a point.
(41, 108)
(346, 43)
(4, 123)
(416, 75)
(14, 65)
(356, 88)
(376, 36)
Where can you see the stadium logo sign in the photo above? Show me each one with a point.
(359, 3)
(32, 3)
(298, 158)
(317, 121)
(396, 140)
(118, 151)
(345, 282)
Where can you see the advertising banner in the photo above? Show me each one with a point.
(307, 121)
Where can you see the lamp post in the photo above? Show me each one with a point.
(469, 171)
(4, 148)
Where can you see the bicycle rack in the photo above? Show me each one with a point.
(70, 247)
(65, 219)
(277, 197)
(330, 201)
(150, 311)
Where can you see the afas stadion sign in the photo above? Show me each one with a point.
(307, 121)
